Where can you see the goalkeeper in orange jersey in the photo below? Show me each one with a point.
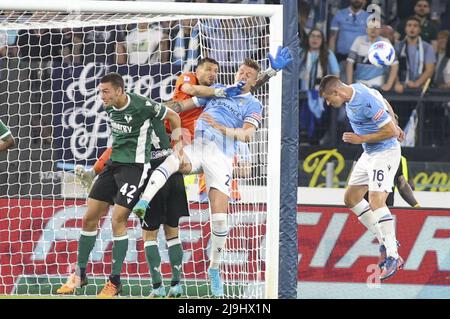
(191, 84)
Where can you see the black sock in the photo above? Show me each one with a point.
(115, 279)
(157, 285)
(82, 273)
(174, 283)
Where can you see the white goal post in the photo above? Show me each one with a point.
(130, 12)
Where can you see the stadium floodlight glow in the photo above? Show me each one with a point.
(252, 260)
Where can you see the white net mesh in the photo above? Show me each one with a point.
(50, 65)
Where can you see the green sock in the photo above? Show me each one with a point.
(176, 258)
(85, 245)
(153, 260)
(119, 251)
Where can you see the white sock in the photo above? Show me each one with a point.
(367, 217)
(219, 233)
(387, 227)
(160, 176)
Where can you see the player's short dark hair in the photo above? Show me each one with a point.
(428, 1)
(414, 19)
(115, 79)
(207, 60)
(252, 64)
(327, 83)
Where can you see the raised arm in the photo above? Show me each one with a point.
(206, 91)
(180, 106)
(198, 90)
(277, 63)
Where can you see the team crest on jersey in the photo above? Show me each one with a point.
(157, 108)
(128, 118)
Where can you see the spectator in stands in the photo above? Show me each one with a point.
(388, 10)
(438, 78)
(231, 41)
(416, 58)
(445, 20)
(40, 47)
(16, 17)
(445, 68)
(103, 45)
(316, 61)
(428, 28)
(3, 49)
(346, 25)
(184, 39)
(71, 46)
(146, 45)
(303, 12)
(386, 31)
(39, 51)
(365, 72)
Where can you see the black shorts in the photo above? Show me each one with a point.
(120, 184)
(390, 198)
(168, 205)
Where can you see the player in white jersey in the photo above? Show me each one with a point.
(224, 122)
(372, 120)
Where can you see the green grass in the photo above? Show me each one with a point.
(44, 287)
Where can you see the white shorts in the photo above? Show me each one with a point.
(377, 170)
(209, 159)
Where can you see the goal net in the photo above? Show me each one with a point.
(52, 59)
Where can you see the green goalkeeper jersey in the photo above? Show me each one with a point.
(4, 131)
(132, 128)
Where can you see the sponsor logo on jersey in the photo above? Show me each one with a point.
(160, 153)
(120, 127)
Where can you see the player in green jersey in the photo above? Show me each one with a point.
(122, 180)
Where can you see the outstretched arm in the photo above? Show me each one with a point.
(281, 60)
(180, 106)
(206, 91)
